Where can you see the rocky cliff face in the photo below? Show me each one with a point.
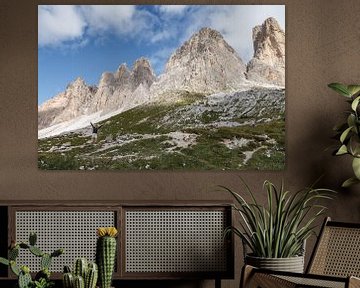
(205, 63)
(123, 89)
(268, 63)
(75, 101)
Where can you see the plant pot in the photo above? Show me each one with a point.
(291, 264)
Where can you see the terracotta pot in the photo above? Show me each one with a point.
(291, 264)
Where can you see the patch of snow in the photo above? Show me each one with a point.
(76, 123)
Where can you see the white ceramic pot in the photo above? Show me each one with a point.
(291, 264)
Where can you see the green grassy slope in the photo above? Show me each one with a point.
(190, 133)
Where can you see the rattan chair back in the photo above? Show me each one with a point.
(337, 252)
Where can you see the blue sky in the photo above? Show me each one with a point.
(86, 40)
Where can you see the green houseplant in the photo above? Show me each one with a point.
(84, 274)
(275, 233)
(106, 254)
(349, 131)
(42, 278)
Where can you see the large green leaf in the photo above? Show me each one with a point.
(353, 89)
(355, 103)
(342, 150)
(4, 261)
(356, 167)
(345, 134)
(351, 120)
(340, 88)
(349, 182)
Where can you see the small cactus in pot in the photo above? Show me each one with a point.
(106, 254)
(85, 275)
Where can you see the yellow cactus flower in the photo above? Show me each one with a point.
(106, 231)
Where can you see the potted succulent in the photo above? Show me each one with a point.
(84, 274)
(349, 131)
(106, 254)
(276, 233)
(42, 278)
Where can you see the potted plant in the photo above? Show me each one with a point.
(84, 274)
(349, 131)
(42, 278)
(276, 233)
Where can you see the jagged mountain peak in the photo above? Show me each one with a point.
(207, 32)
(106, 79)
(122, 74)
(122, 67)
(142, 73)
(78, 82)
(205, 63)
(269, 39)
(205, 41)
(142, 62)
(271, 23)
(268, 62)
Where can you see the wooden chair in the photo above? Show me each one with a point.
(335, 262)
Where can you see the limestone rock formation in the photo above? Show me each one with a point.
(75, 101)
(123, 90)
(268, 63)
(205, 63)
(120, 90)
(142, 74)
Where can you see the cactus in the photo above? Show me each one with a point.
(32, 238)
(14, 268)
(24, 278)
(90, 272)
(13, 253)
(80, 268)
(24, 246)
(4, 261)
(68, 280)
(36, 251)
(67, 269)
(57, 252)
(45, 261)
(105, 254)
(44, 273)
(79, 282)
(91, 276)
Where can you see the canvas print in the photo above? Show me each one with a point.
(161, 87)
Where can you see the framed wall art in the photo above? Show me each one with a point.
(161, 87)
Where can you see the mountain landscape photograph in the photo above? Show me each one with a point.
(161, 87)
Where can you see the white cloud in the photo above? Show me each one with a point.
(170, 26)
(101, 18)
(172, 9)
(58, 24)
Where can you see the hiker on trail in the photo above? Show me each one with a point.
(95, 129)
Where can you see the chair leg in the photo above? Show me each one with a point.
(217, 282)
(246, 274)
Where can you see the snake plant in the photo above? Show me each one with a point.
(279, 228)
(349, 131)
